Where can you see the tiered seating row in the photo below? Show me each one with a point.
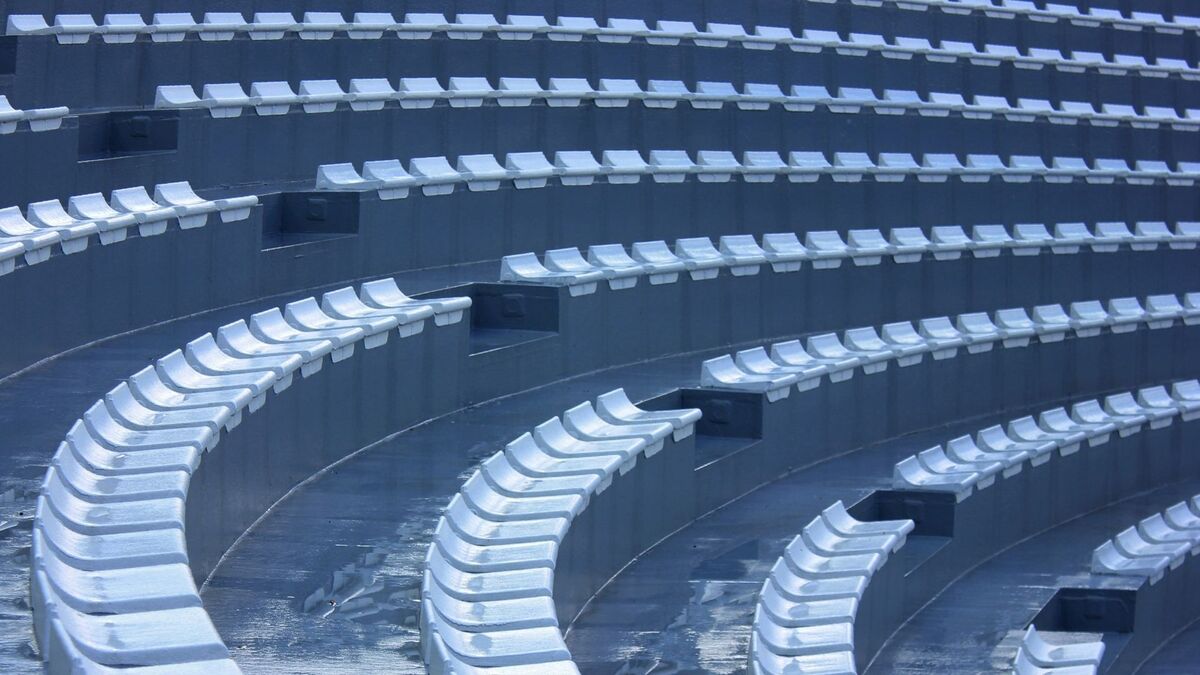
(79, 28)
(1157, 543)
(111, 583)
(742, 255)
(38, 119)
(792, 364)
(437, 176)
(804, 620)
(965, 465)
(1051, 13)
(1035, 656)
(487, 596)
(31, 236)
(225, 100)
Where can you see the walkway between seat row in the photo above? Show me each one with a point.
(974, 625)
(40, 404)
(329, 581)
(688, 604)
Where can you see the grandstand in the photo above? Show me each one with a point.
(481, 337)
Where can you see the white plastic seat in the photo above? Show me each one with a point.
(703, 260)
(742, 253)
(1088, 318)
(517, 92)
(895, 167)
(615, 407)
(526, 268)
(321, 96)
(716, 166)
(806, 166)
(909, 244)
(571, 261)
(723, 372)
(910, 474)
(1068, 237)
(273, 98)
(1015, 326)
(792, 354)
(659, 258)
(577, 167)
(714, 95)
(1059, 421)
(468, 92)
(1124, 407)
(665, 94)
(345, 304)
(528, 169)
(1091, 412)
(74, 234)
(905, 341)
(943, 338)
(623, 167)
(1011, 457)
(152, 217)
(1163, 310)
(948, 242)
(612, 258)
(978, 331)
(987, 241)
(866, 340)
(670, 166)
(762, 166)
(1030, 238)
(827, 346)
(784, 251)
(188, 204)
(481, 172)
(419, 92)
(1055, 657)
(757, 362)
(1125, 314)
(434, 175)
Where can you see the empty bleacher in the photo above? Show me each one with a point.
(882, 314)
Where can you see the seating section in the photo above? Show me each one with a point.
(225, 100)
(1156, 545)
(38, 119)
(1050, 13)
(743, 255)
(219, 26)
(791, 363)
(987, 100)
(804, 620)
(965, 465)
(487, 596)
(1036, 656)
(483, 172)
(29, 237)
(111, 586)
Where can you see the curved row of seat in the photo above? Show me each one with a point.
(1155, 545)
(791, 363)
(111, 585)
(1035, 656)
(78, 29)
(743, 255)
(31, 236)
(437, 176)
(38, 119)
(1051, 13)
(487, 594)
(965, 464)
(804, 618)
(226, 100)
